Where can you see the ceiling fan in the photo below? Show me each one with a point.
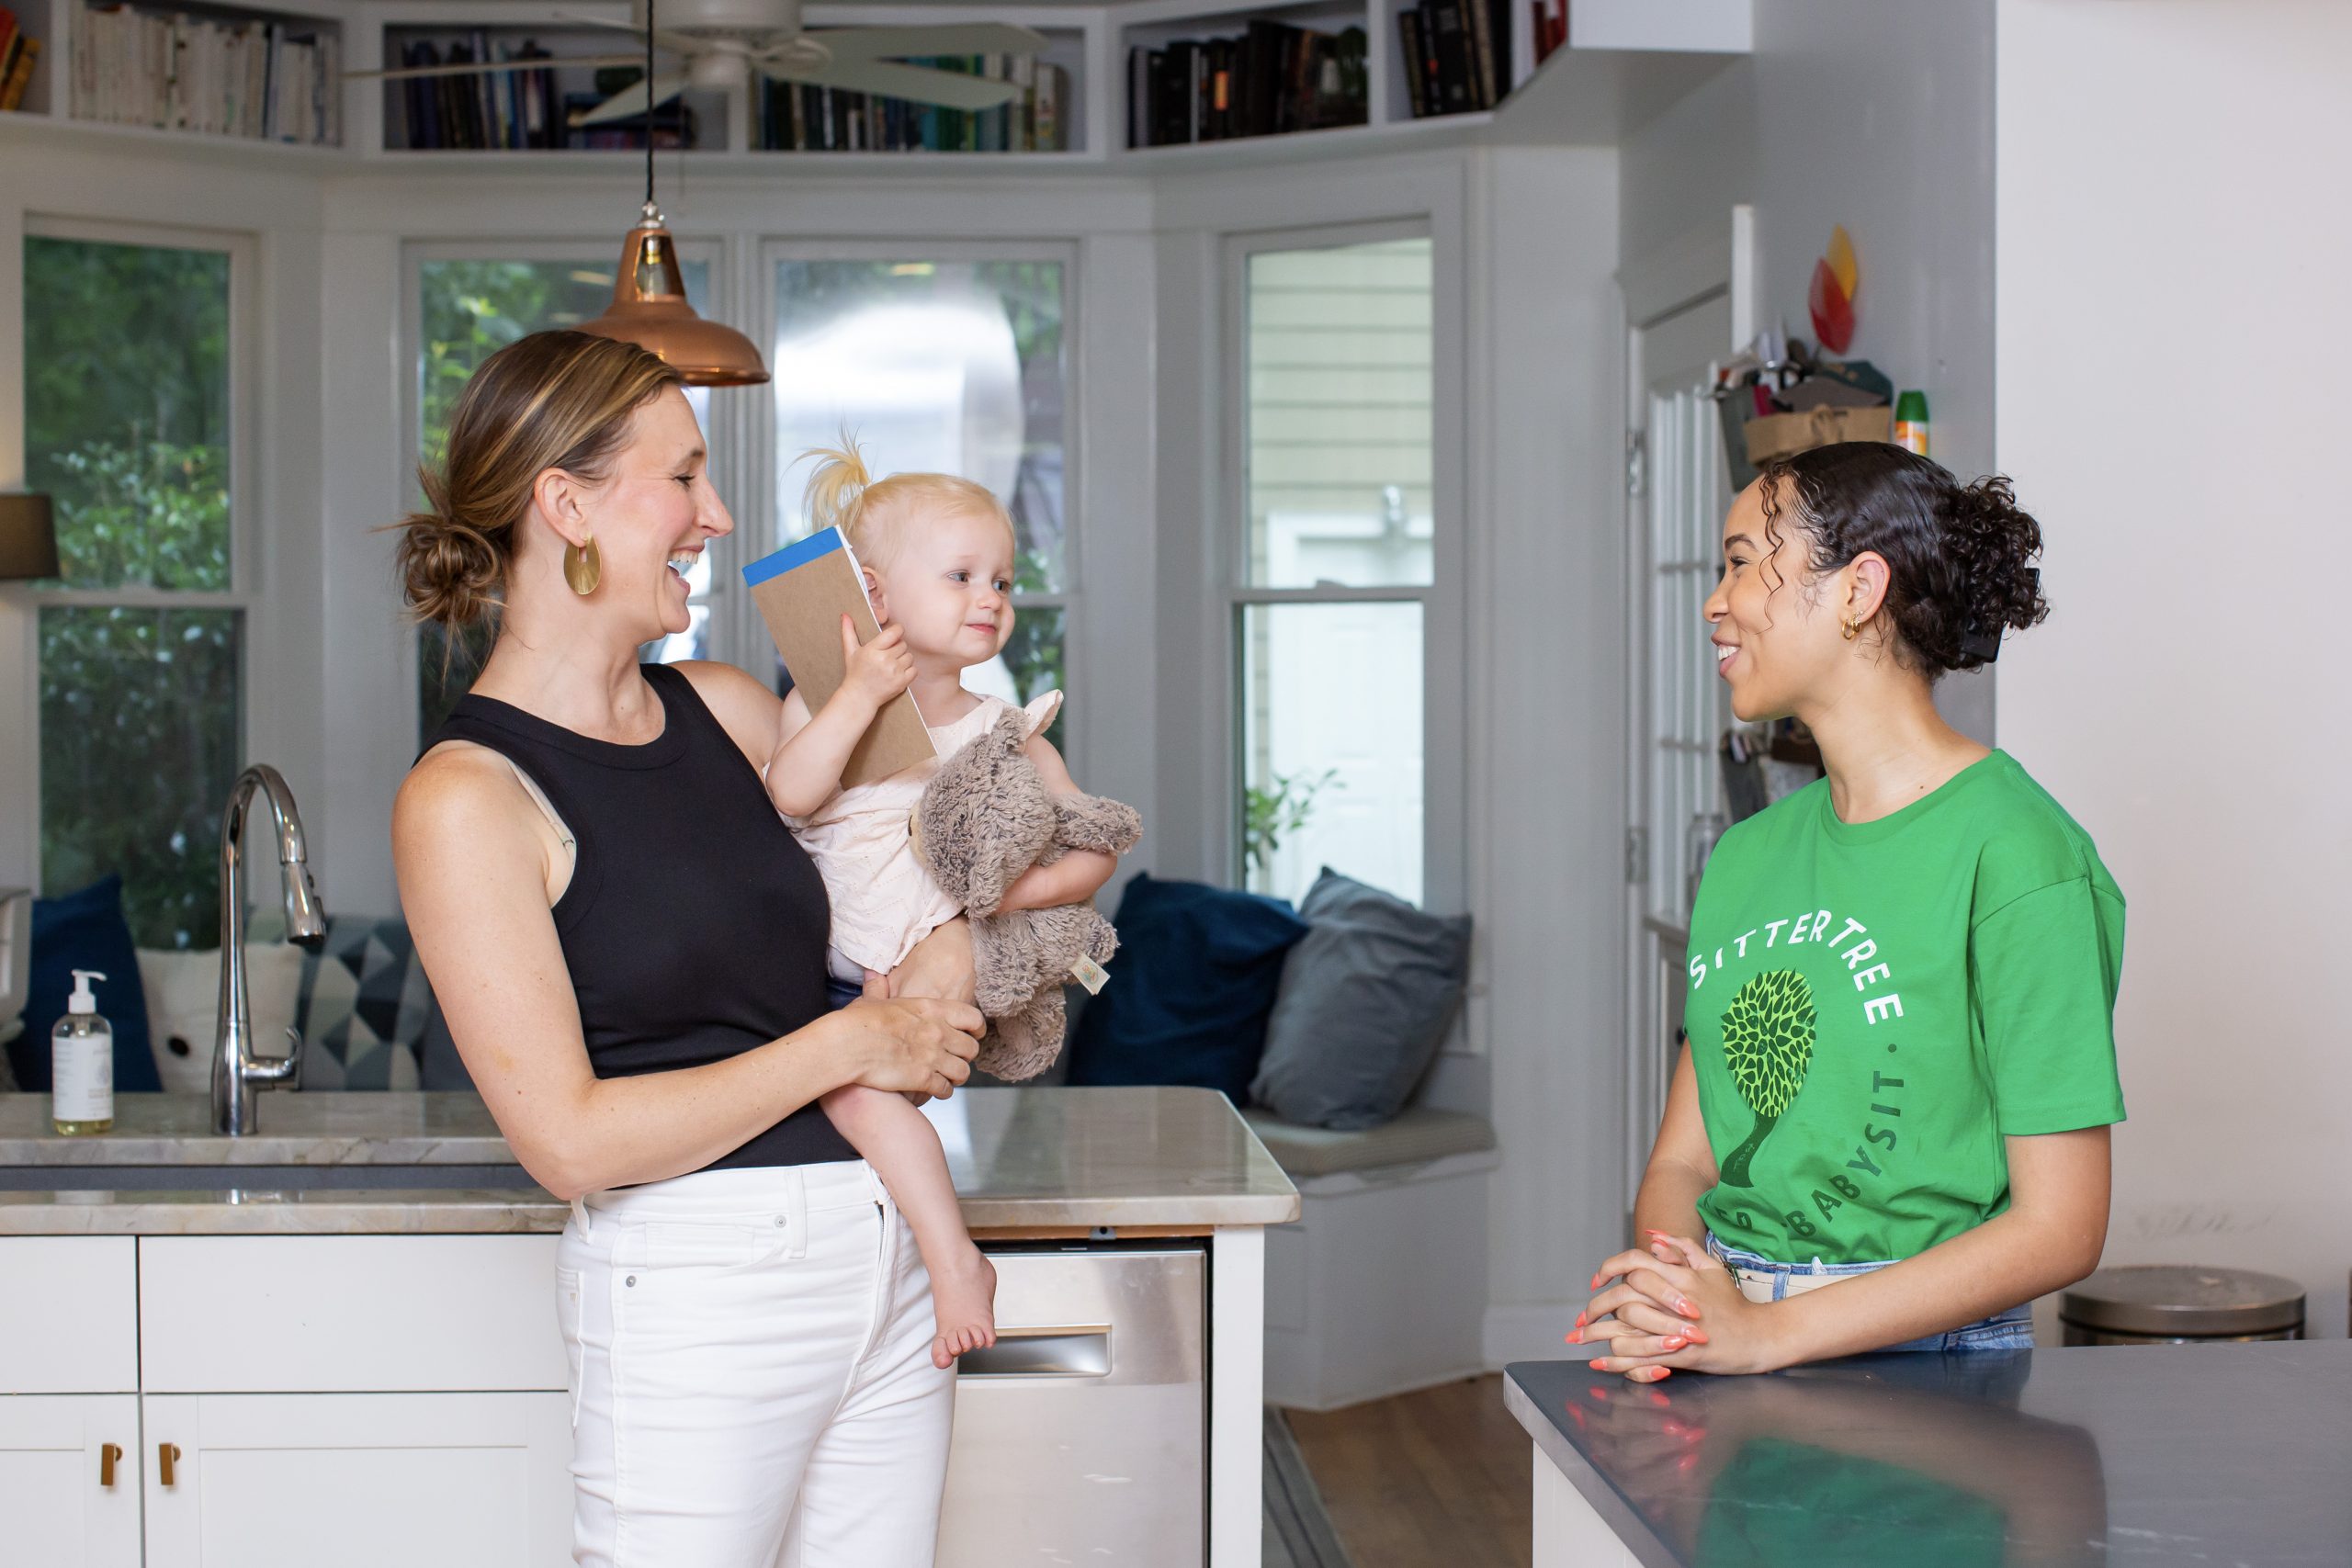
(724, 41)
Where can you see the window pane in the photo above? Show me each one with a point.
(1030, 666)
(1340, 435)
(140, 739)
(1332, 745)
(466, 312)
(126, 410)
(949, 368)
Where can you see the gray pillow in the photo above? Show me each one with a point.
(1366, 998)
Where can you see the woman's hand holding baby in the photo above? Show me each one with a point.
(906, 1045)
(878, 670)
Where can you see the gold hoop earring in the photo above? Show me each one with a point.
(1853, 629)
(583, 566)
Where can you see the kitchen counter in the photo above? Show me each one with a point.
(2123, 1455)
(1026, 1161)
(363, 1289)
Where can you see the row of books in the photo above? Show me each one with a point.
(485, 111)
(1456, 54)
(272, 80)
(19, 52)
(799, 118)
(1274, 78)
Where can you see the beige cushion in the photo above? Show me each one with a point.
(183, 1002)
(1417, 1136)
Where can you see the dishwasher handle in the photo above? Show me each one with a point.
(1073, 1350)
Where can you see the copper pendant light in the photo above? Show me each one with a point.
(650, 306)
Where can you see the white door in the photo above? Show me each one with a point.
(69, 1480)
(1678, 491)
(358, 1480)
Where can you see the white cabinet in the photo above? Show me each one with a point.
(361, 1481)
(69, 1480)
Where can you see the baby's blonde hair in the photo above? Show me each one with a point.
(874, 514)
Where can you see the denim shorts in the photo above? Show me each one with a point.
(839, 994)
(1761, 1279)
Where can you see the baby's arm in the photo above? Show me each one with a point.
(813, 748)
(1079, 875)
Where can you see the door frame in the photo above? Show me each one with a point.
(1717, 261)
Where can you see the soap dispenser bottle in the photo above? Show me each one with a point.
(81, 1062)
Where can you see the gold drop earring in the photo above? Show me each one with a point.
(583, 566)
(1852, 629)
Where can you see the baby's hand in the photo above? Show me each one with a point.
(880, 669)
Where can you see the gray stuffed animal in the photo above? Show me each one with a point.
(985, 817)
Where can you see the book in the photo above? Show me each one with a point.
(20, 79)
(1271, 80)
(803, 591)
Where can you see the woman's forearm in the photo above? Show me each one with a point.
(622, 1132)
(1073, 879)
(2011, 1257)
(1668, 1200)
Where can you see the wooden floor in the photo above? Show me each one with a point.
(1442, 1476)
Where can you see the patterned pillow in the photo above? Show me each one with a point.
(365, 1007)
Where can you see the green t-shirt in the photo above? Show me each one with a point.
(1875, 1006)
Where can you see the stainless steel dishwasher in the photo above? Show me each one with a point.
(1082, 1436)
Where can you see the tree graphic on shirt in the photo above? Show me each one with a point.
(1767, 1043)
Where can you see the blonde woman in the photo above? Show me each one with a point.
(630, 949)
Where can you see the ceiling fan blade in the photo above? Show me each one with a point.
(955, 37)
(481, 66)
(914, 84)
(629, 102)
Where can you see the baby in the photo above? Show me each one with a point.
(937, 553)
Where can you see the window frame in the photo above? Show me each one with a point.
(760, 445)
(249, 584)
(1444, 736)
(722, 434)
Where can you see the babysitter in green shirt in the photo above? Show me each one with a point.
(1900, 981)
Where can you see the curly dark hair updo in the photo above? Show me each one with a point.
(1960, 555)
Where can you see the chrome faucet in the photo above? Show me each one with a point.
(237, 1071)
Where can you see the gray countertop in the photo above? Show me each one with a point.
(2138, 1455)
(1028, 1158)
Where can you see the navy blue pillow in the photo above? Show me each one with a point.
(85, 930)
(1190, 990)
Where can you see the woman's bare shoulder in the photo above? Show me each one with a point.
(458, 785)
(748, 711)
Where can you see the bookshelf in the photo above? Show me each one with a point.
(1582, 93)
(528, 111)
(245, 74)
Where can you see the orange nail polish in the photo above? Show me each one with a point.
(1575, 1336)
(1675, 1343)
(1580, 1317)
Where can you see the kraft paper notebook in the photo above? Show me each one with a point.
(803, 591)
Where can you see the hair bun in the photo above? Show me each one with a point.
(449, 572)
(1992, 543)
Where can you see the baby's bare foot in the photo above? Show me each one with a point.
(963, 1298)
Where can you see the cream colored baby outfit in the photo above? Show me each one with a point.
(884, 901)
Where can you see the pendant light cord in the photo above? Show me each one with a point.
(649, 103)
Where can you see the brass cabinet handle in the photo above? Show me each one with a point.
(166, 1455)
(108, 1457)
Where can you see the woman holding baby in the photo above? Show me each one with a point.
(631, 946)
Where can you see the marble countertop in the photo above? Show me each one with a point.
(1022, 1159)
(300, 1128)
(2113, 1455)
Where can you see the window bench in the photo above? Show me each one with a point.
(1380, 1285)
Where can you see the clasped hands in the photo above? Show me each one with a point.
(1673, 1305)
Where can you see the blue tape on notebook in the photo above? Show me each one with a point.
(823, 543)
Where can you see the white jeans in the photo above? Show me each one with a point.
(750, 1375)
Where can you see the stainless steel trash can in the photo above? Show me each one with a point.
(2179, 1304)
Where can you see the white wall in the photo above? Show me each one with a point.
(1547, 805)
(2172, 238)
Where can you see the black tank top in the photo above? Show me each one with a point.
(695, 924)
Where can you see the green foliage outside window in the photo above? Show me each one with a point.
(127, 427)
